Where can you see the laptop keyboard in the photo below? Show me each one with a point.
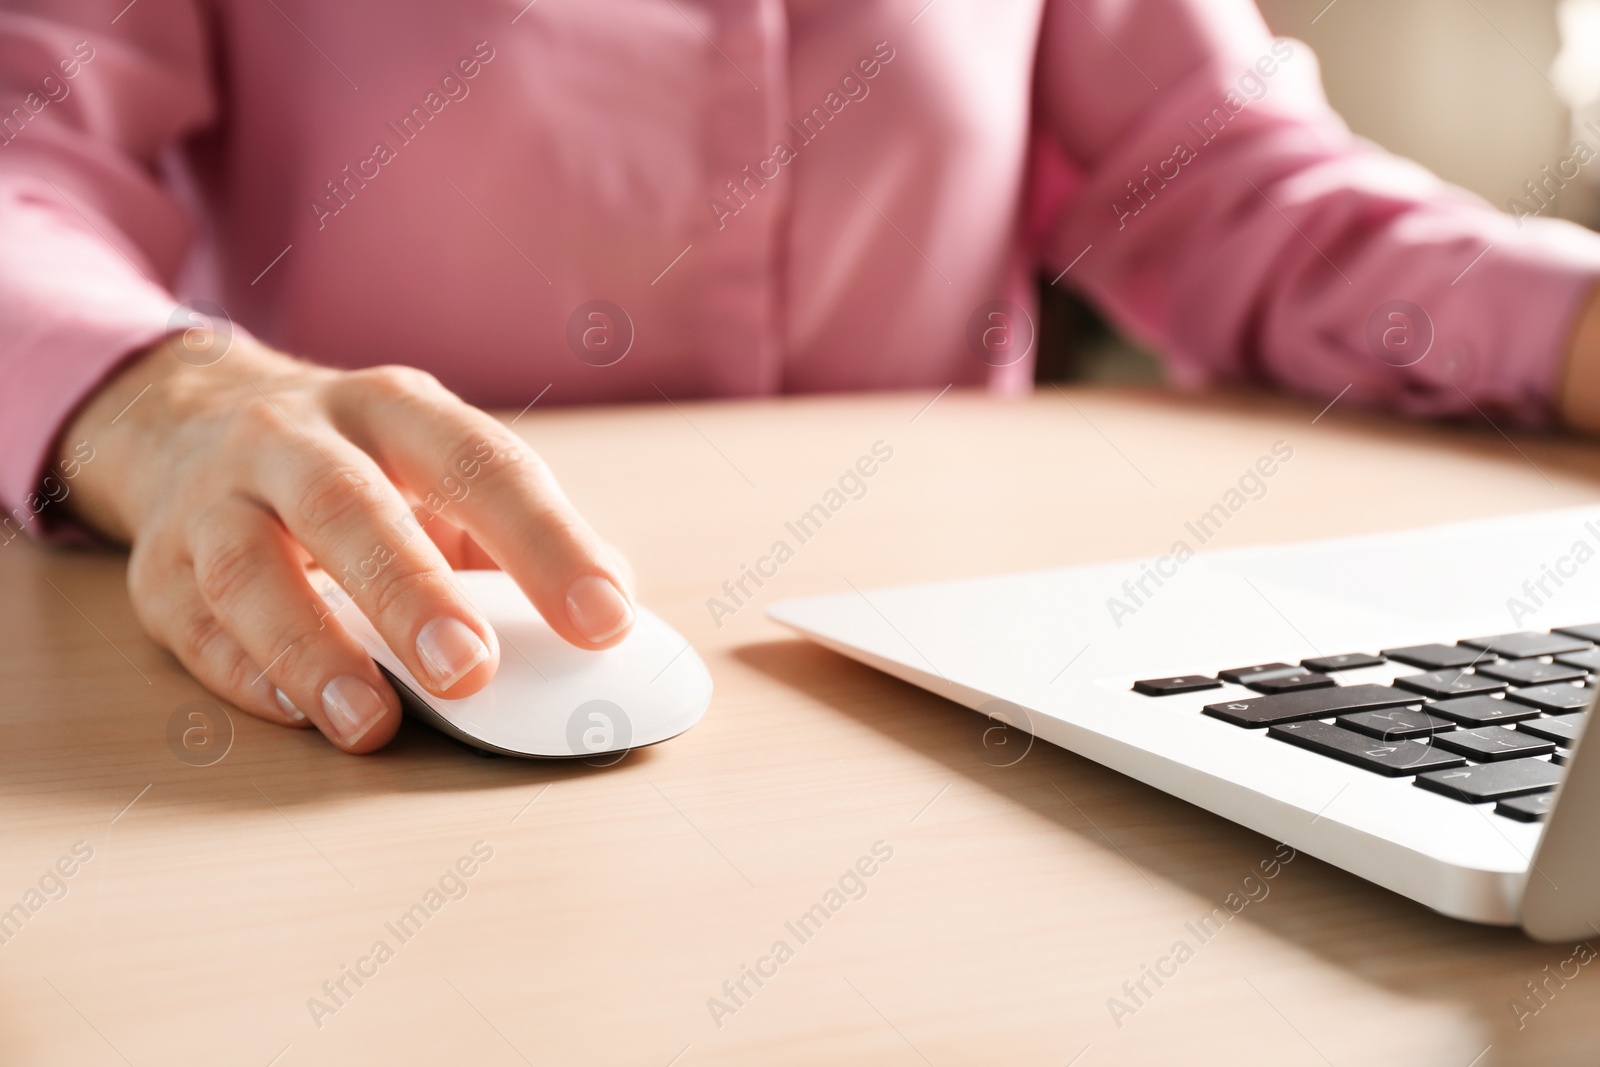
(1485, 720)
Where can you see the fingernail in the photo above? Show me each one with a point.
(288, 706)
(352, 707)
(599, 612)
(449, 650)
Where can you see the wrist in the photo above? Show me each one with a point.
(129, 421)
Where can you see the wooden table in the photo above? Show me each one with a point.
(616, 902)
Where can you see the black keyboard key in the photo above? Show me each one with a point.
(1587, 632)
(1395, 759)
(1187, 683)
(1292, 683)
(1588, 659)
(1482, 710)
(1527, 645)
(1490, 744)
(1493, 781)
(1531, 672)
(1308, 704)
(1531, 808)
(1452, 683)
(1562, 729)
(1556, 699)
(1561, 756)
(1395, 724)
(1246, 675)
(1436, 657)
(1348, 662)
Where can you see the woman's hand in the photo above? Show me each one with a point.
(228, 480)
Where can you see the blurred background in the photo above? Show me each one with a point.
(1485, 93)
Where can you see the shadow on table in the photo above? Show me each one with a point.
(91, 707)
(268, 766)
(1338, 916)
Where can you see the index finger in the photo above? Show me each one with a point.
(452, 456)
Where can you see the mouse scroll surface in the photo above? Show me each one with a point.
(549, 698)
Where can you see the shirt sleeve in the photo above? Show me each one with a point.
(91, 237)
(1227, 217)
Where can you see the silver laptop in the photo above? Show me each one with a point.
(1406, 706)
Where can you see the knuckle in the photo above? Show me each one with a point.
(398, 382)
(514, 463)
(292, 655)
(199, 636)
(226, 572)
(569, 536)
(557, 530)
(399, 586)
(238, 673)
(257, 422)
(328, 495)
(479, 446)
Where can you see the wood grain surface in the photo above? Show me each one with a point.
(611, 913)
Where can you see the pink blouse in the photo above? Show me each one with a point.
(592, 200)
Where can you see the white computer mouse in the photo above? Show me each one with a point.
(548, 698)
